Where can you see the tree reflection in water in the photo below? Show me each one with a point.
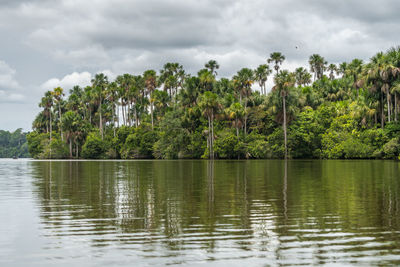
(279, 210)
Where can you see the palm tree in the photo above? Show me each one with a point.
(150, 80)
(317, 65)
(99, 84)
(206, 80)
(377, 76)
(236, 112)
(172, 76)
(332, 70)
(212, 66)
(124, 83)
(112, 96)
(284, 82)
(243, 81)
(354, 69)
(303, 77)
(395, 90)
(47, 103)
(58, 95)
(261, 76)
(277, 58)
(70, 125)
(342, 68)
(209, 105)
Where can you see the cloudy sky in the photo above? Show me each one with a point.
(49, 43)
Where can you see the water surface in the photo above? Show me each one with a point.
(156, 213)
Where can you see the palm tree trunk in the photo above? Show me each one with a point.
(77, 150)
(117, 113)
(395, 106)
(59, 112)
(245, 117)
(70, 147)
(212, 135)
(101, 121)
(237, 128)
(136, 117)
(284, 125)
(151, 111)
(51, 129)
(113, 117)
(209, 137)
(388, 103)
(382, 110)
(123, 114)
(128, 112)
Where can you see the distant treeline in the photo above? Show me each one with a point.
(347, 110)
(13, 144)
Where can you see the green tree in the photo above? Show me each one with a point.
(99, 84)
(284, 82)
(210, 106)
(261, 76)
(317, 65)
(212, 66)
(277, 58)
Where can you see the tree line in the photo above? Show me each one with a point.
(13, 144)
(347, 110)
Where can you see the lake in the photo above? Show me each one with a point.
(197, 213)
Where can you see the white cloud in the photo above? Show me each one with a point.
(9, 86)
(68, 81)
(7, 77)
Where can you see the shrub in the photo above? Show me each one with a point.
(94, 147)
(35, 143)
(139, 144)
(226, 145)
(391, 149)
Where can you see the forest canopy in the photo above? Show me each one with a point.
(336, 111)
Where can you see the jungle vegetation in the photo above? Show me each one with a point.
(13, 144)
(344, 111)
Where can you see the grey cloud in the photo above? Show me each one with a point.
(56, 38)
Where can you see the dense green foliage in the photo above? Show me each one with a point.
(337, 111)
(13, 144)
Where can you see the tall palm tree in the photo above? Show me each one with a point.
(47, 103)
(206, 80)
(332, 70)
(58, 94)
(99, 84)
(243, 81)
(277, 58)
(172, 76)
(342, 68)
(70, 125)
(150, 80)
(284, 82)
(236, 112)
(112, 96)
(354, 69)
(317, 65)
(377, 77)
(303, 77)
(209, 105)
(124, 83)
(261, 76)
(395, 90)
(212, 66)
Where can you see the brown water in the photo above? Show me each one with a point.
(156, 213)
